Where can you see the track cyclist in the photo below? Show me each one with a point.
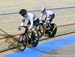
(31, 18)
(48, 16)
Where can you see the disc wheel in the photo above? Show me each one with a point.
(35, 39)
(53, 30)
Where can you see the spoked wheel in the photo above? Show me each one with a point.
(21, 45)
(34, 39)
(53, 30)
(41, 30)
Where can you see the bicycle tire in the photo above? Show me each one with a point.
(21, 45)
(41, 30)
(35, 41)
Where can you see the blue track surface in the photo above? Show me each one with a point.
(47, 47)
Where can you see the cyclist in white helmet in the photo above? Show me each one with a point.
(49, 15)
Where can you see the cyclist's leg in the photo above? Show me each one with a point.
(52, 17)
(36, 22)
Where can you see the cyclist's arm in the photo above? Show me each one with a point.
(41, 16)
(31, 23)
(22, 22)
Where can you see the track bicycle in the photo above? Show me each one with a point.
(27, 38)
(48, 28)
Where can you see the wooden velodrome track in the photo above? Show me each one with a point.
(10, 22)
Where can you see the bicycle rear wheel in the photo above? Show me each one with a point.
(21, 45)
(34, 39)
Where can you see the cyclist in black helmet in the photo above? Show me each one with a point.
(23, 12)
(32, 21)
(26, 16)
(30, 17)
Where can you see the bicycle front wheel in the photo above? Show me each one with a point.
(21, 45)
(40, 30)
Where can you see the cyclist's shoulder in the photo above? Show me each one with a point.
(30, 14)
(49, 12)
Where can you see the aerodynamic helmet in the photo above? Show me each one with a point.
(23, 12)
